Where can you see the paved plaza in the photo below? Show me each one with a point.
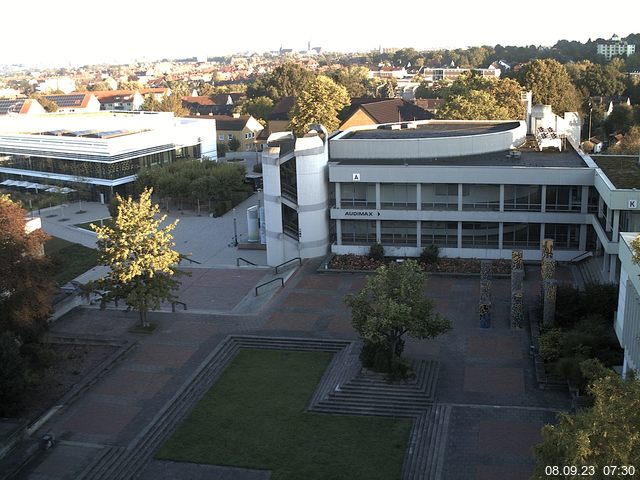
(486, 375)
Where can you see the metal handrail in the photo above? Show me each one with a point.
(270, 281)
(288, 261)
(173, 305)
(184, 257)
(244, 260)
(577, 258)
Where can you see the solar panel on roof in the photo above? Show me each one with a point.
(67, 100)
(11, 105)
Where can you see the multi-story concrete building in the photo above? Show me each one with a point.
(614, 47)
(103, 150)
(474, 189)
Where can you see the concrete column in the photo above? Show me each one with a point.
(543, 200)
(378, 231)
(600, 206)
(583, 238)
(501, 205)
(378, 199)
(459, 234)
(339, 232)
(613, 269)
(584, 206)
(500, 232)
(542, 234)
(418, 234)
(605, 262)
(616, 225)
(459, 197)
(338, 195)
(549, 308)
(418, 197)
(608, 221)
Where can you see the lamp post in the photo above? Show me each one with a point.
(235, 229)
(590, 110)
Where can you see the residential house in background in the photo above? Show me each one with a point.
(245, 129)
(64, 84)
(22, 106)
(126, 100)
(372, 111)
(158, 92)
(607, 103)
(614, 47)
(278, 120)
(220, 104)
(75, 102)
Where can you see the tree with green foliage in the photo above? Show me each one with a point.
(26, 283)
(621, 119)
(320, 102)
(392, 304)
(259, 108)
(170, 103)
(286, 80)
(13, 375)
(429, 89)
(604, 80)
(48, 105)
(234, 144)
(600, 436)
(629, 145)
(140, 255)
(550, 84)
(354, 78)
(474, 97)
(388, 90)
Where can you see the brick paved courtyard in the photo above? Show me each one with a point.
(486, 374)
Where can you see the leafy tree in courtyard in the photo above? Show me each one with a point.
(550, 84)
(606, 434)
(475, 105)
(320, 102)
(353, 78)
(392, 304)
(140, 255)
(26, 284)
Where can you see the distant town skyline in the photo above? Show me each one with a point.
(121, 32)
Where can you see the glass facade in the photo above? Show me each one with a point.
(81, 168)
(358, 232)
(439, 196)
(481, 197)
(480, 235)
(442, 234)
(521, 235)
(561, 198)
(398, 232)
(565, 237)
(522, 198)
(400, 196)
(359, 195)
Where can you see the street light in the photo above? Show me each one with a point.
(235, 229)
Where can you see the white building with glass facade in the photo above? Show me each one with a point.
(102, 150)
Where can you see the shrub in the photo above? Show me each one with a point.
(549, 345)
(430, 254)
(376, 252)
(375, 356)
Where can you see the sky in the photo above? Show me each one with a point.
(69, 32)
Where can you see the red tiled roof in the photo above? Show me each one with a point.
(200, 100)
(111, 96)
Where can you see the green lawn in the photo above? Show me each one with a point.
(69, 259)
(254, 417)
(87, 225)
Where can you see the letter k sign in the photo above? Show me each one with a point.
(633, 204)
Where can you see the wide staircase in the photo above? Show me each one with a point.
(590, 270)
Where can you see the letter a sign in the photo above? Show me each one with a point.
(356, 177)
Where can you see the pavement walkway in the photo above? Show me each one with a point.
(486, 375)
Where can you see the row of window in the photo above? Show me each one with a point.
(445, 234)
(230, 136)
(444, 196)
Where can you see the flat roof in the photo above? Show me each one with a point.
(431, 130)
(529, 158)
(622, 170)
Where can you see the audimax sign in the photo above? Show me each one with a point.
(361, 213)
